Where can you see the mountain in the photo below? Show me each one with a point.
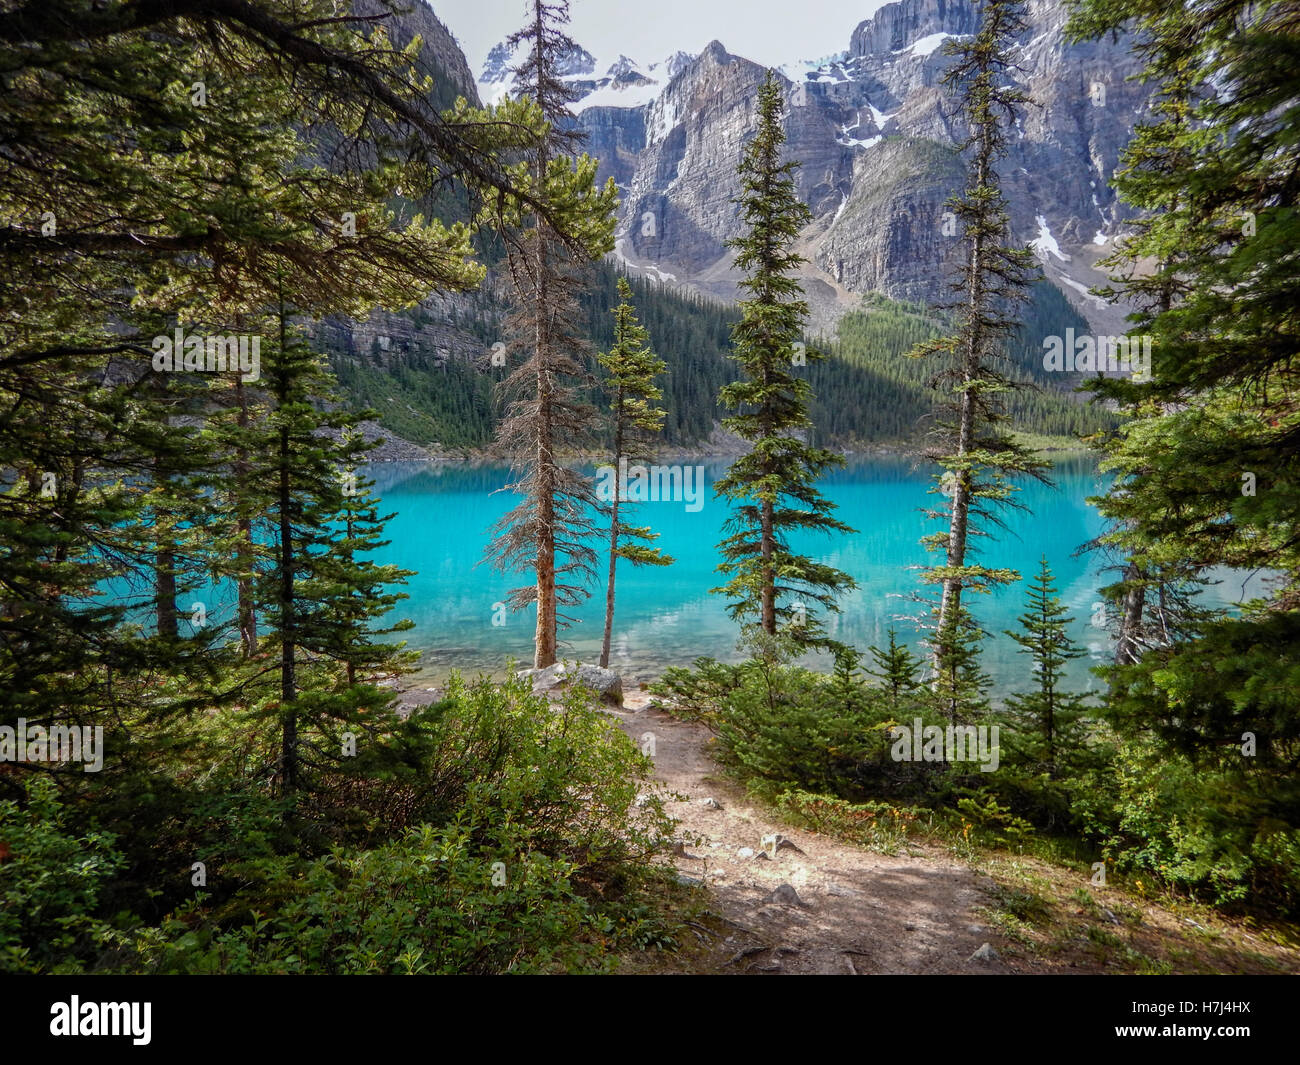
(877, 140)
(622, 83)
(440, 56)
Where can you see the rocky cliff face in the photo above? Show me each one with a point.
(440, 56)
(876, 136)
(443, 327)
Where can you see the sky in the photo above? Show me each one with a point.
(767, 31)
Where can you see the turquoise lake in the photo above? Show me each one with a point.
(666, 616)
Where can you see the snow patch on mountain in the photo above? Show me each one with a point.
(1046, 243)
(828, 68)
(623, 83)
(1082, 290)
(879, 117)
(928, 44)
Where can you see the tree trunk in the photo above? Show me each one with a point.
(1128, 648)
(246, 610)
(164, 573)
(288, 686)
(767, 541)
(350, 667)
(164, 568)
(544, 648)
(769, 580)
(613, 530)
(288, 646)
(950, 600)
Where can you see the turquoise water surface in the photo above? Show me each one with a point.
(666, 616)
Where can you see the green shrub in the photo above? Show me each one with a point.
(878, 826)
(524, 851)
(779, 725)
(425, 904)
(50, 879)
(1208, 829)
(782, 726)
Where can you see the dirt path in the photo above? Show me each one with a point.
(856, 912)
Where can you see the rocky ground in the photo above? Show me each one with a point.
(818, 906)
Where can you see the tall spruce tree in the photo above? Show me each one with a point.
(978, 455)
(549, 532)
(321, 597)
(772, 488)
(1153, 600)
(632, 368)
(1210, 467)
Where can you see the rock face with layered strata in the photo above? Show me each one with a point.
(876, 134)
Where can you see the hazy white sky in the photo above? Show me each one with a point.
(766, 31)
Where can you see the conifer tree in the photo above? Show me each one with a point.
(1049, 720)
(632, 368)
(549, 531)
(977, 454)
(1209, 466)
(772, 488)
(960, 685)
(320, 595)
(897, 667)
(1153, 599)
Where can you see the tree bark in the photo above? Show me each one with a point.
(288, 645)
(544, 638)
(613, 530)
(246, 609)
(958, 523)
(1128, 648)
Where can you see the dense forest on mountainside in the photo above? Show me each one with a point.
(880, 395)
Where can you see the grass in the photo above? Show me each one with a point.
(1047, 912)
(1044, 442)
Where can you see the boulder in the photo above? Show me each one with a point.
(786, 895)
(607, 684)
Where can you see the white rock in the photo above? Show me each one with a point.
(604, 682)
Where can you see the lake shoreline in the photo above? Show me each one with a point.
(396, 449)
